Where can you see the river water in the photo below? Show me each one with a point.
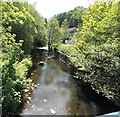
(57, 91)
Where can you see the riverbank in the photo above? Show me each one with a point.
(80, 73)
(56, 89)
(55, 77)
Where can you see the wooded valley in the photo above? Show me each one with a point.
(93, 47)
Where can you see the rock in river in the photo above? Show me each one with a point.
(41, 63)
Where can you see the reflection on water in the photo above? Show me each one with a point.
(57, 90)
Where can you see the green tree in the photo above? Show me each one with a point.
(19, 29)
(74, 17)
(54, 33)
(22, 24)
(40, 38)
(26, 23)
(99, 46)
(96, 52)
(64, 27)
(61, 17)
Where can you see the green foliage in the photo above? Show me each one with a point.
(13, 79)
(18, 32)
(61, 17)
(73, 17)
(21, 22)
(97, 55)
(64, 27)
(26, 23)
(40, 36)
(65, 48)
(54, 33)
(100, 47)
(22, 28)
(76, 58)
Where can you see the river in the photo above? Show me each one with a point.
(57, 92)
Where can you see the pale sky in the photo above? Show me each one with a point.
(48, 8)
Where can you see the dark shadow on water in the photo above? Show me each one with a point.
(105, 105)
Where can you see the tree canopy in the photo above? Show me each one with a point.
(22, 28)
(94, 52)
(73, 17)
(96, 49)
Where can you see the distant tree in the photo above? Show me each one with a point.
(64, 28)
(46, 20)
(54, 33)
(74, 17)
(61, 17)
(27, 24)
(40, 38)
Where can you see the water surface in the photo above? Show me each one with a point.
(57, 90)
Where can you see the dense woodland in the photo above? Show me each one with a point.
(94, 51)
(74, 17)
(22, 30)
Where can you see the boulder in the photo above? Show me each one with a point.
(41, 63)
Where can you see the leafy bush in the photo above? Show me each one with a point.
(26, 24)
(22, 27)
(98, 49)
(101, 47)
(14, 81)
(14, 70)
(15, 63)
(65, 48)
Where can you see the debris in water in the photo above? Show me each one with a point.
(35, 86)
(41, 101)
(26, 90)
(69, 108)
(33, 106)
(38, 84)
(40, 109)
(28, 102)
(53, 112)
(45, 100)
(41, 63)
(29, 98)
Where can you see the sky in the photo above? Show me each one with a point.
(48, 8)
